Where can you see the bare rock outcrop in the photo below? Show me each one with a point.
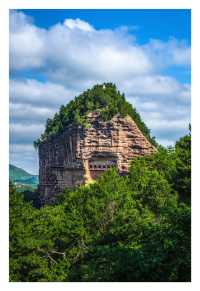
(79, 155)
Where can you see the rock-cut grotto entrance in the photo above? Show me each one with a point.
(100, 162)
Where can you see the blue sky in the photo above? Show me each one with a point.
(56, 54)
(151, 23)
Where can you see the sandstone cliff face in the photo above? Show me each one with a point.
(80, 155)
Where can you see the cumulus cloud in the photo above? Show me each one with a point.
(75, 49)
(31, 91)
(31, 103)
(165, 54)
(156, 85)
(78, 24)
(73, 56)
(27, 46)
(28, 114)
(25, 133)
(164, 104)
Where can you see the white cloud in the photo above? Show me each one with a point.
(69, 51)
(101, 53)
(25, 133)
(168, 124)
(182, 56)
(31, 91)
(27, 113)
(97, 55)
(27, 45)
(78, 24)
(156, 85)
(73, 56)
(163, 102)
(171, 52)
(18, 21)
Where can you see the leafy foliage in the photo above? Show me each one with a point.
(183, 168)
(120, 228)
(104, 98)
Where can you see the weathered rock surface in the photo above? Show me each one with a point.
(79, 155)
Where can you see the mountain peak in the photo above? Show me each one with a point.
(105, 99)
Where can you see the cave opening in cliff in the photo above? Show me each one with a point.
(100, 162)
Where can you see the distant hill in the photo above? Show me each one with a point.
(21, 178)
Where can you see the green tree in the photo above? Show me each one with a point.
(33, 234)
(120, 228)
(182, 180)
(104, 98)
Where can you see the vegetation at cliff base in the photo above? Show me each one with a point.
(105, 99)
(120, 228)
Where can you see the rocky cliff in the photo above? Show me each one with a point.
(79, 155)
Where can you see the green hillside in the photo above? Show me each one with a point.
(20, 176)
(16, 173)
(104, 98)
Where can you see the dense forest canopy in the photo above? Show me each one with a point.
(104, 98)
(120, 228)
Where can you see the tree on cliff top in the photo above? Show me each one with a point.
(104, 98)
